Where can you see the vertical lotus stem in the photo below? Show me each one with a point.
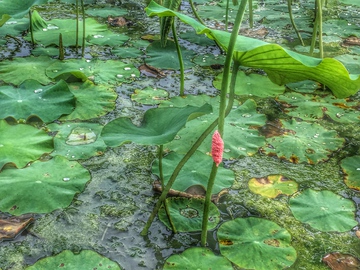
(61, 48)
(207, 131)
(181, 62)
(293, 23)
(83, 37)
(319, 5)
(31, 28)
(77, 24)
(251, 14)
(195, 12)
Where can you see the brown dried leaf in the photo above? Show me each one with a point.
(338, 261)
(12, 226)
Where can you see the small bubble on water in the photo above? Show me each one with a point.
(98, 36)
(19, 100)
(119, 76)
(66, 179)
(127, 68)
(36, 91)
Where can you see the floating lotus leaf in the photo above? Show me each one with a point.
(32, 99)
(324, 210)
(303, 142)
(186, 214)
(67, 27)
(77, 140)
(166, 57)
(281, 65)
(351, 168)
(255, 243)
(241, 136)
(197, 39)
(13, 27)
(67, 260)
(194, 173)
(351, 62)
(198, 258)
(20, 69)
(41, 187)
(340, 28)
(92, 101)
(309, 107)
(209, 60)
(21, 144)
(98, 71)
(127, 52)
(272, 186)
(159, 126)
(107, 38)
(149, 96)
(253, 84)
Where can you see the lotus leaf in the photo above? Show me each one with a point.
(21, 144)
(107, 38)
(158, 127)
(197, 39)
(67, 260)
(253, 84)
(198, 258)
(149, 96)
(127, 52)
(14, 27)
(304, 142)
(41, 187)
(50, 35)
(272, 186)
(16, 8)
(324, 210)
(77, 140)
(91, 101)
(186, 214)
(194, 173)
(20, 69)
(265, 242)
(32, 99)
(241, 137)
(209, 60)
(98, 71)
(166, 57)
(351, 168)
(309, 107)
(340, 28)
(281, 65)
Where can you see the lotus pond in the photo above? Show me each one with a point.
(99, 115)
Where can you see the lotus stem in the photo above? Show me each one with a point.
(181, 62)
(251, 14)
(227, 14)
(83, 37)
(195, 12)
(293, 23)
(61, 48)
(319, 15)
(31, 28)
(77, 24)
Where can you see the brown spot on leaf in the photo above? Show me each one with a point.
(226, 242)
(272, 242)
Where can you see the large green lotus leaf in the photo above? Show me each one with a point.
(92, 101)
(32, 99)
(198, 258)
(77, 140)
(106, 11)
(351, 168)
(67, 260)
(14, 27)
(281, 65)
(265, 242)
(149, 96)
(252, 84)
(324, 210)
(98, 71)
(194, 173)
(17, 70)
(67, 28)
(166, 57)
(186, 214)
(159, 126)
(21, 144)
(41, 187)
(127, 52)
(241, 136)
(272, 186)
(351, 62)
(303, 142)
(310, 107)
(340, 28)
(17, 8)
